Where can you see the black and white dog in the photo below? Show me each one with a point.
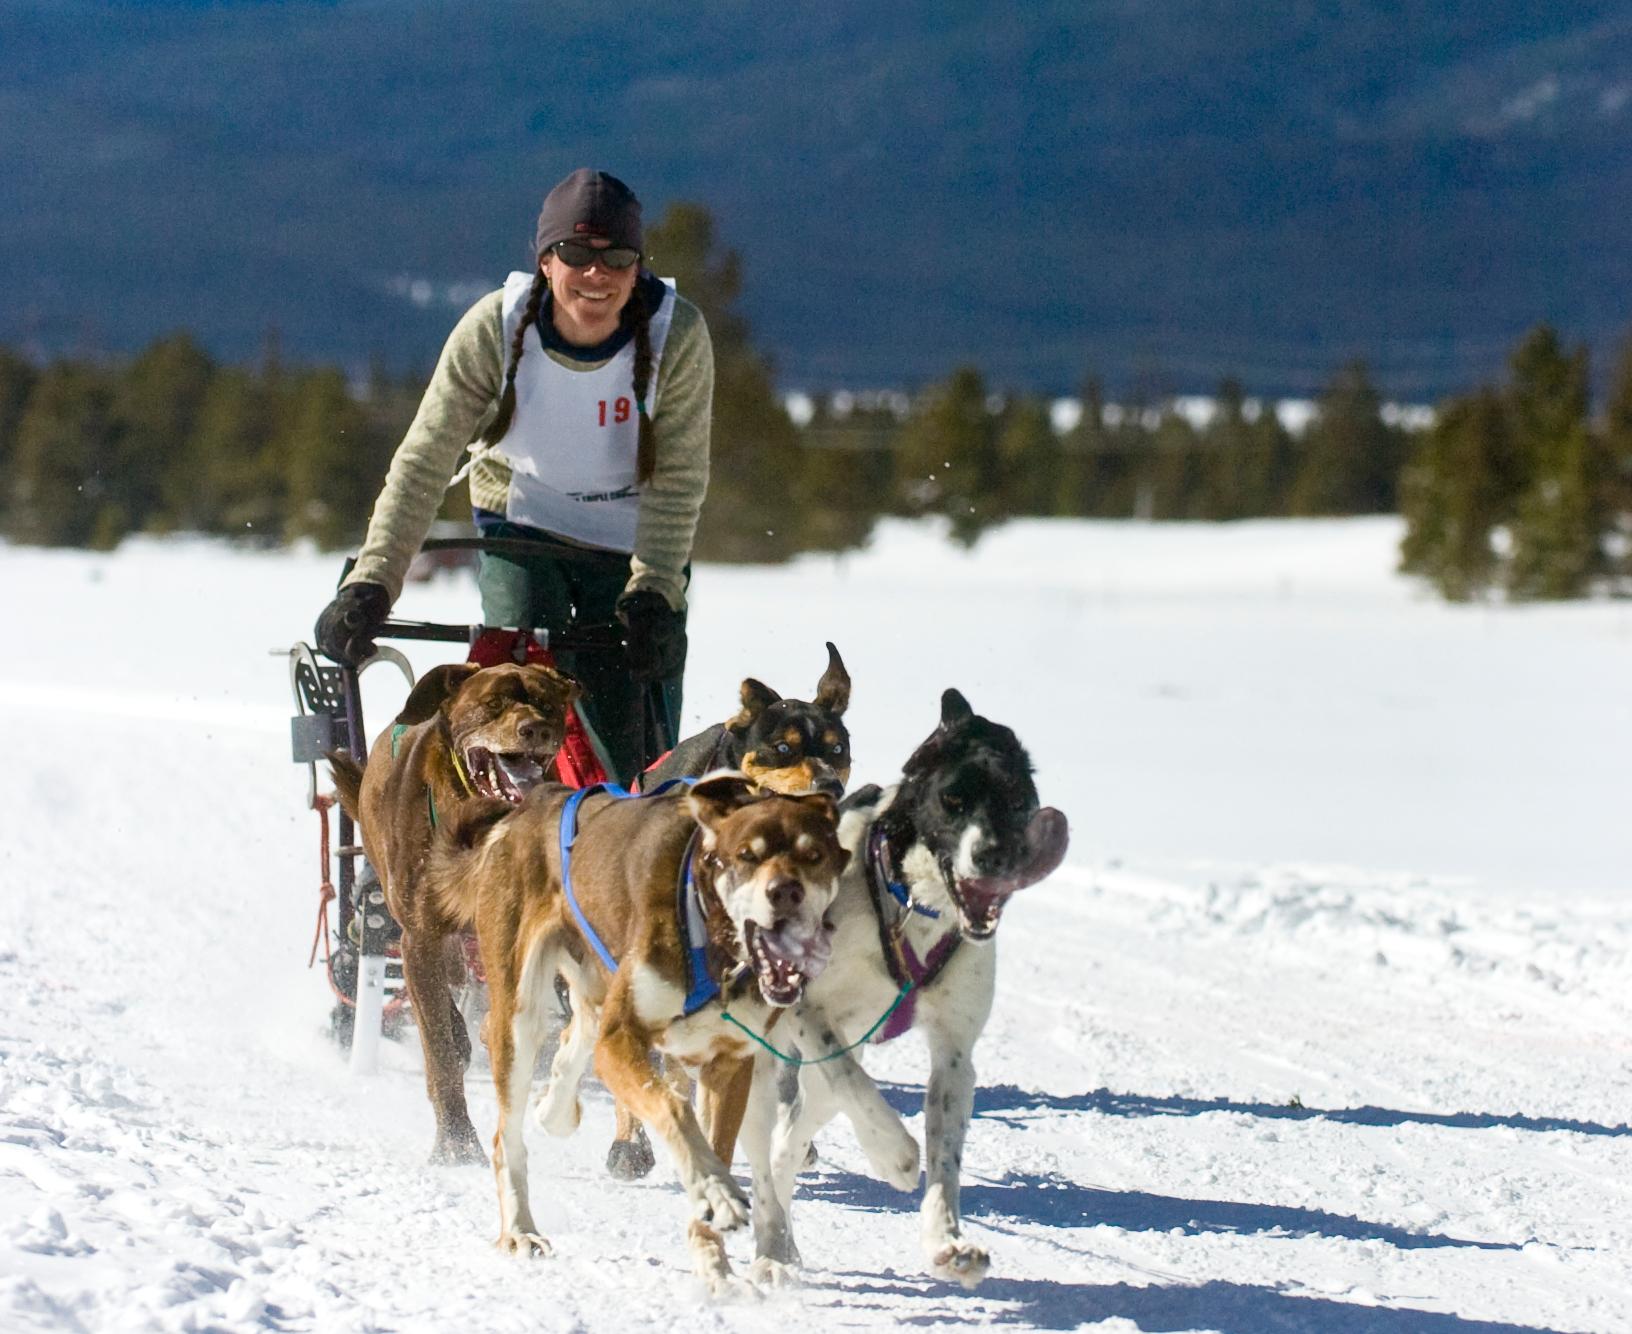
(934, 861)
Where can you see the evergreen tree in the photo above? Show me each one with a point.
(1556, 534)
(1250, 459)
(1228, 445)
(329, 461)
(1455, 491)
(17, 379)
(1559, 517)
(1028, 459)
(749, 514)
(1618, 458)
(230, 480)
(155, 409)
(1176, 473)
(1079, 452)
(946, 457)
(837, 494)
(64, 449)
(1351, 458)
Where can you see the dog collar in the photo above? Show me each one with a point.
(907, 970)
(397, 733)
(878, 867)
(458, 763)
(701, 984)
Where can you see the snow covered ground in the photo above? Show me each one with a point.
(1323, 1026)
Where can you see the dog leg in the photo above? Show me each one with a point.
(424, 971)
(623, 1062)
(723, 1092)
(515, 1031)
(891, 1150)
(559, 1110)
(709, 1263)
(776, 1258)
(722, 1101)
(949, 1101)
(630, 1156)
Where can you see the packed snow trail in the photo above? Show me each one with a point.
(1239, 1077)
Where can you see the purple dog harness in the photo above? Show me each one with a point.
(906, 968)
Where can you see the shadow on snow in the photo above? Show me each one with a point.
(993, 1101)
(1233, 1308)
(1054, 1201)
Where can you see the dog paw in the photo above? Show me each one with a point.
(721, 1204)
(528, 1245)
(630, 1159)
(557, 1113)
(458, 1147)
(774, 1274)
(894, 1157)
(729, 1287)
(960, 1262)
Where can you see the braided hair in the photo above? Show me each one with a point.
(640, 315)
(646, 451)
(518, 344)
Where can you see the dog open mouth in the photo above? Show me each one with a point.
(507, 775)
(782, 962)
(981, 899)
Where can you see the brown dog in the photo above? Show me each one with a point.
(466, 732)
(790, 746)
(763, 870)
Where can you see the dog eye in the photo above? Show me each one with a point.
(952, 801)
(838, 749)
(783, 748)
(747, 855)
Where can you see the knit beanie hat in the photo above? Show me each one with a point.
(589, 204)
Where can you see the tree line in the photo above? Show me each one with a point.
(1512, 489)
(1519, 489)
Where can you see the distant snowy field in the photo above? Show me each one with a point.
(1325, 1025)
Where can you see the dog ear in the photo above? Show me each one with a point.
(434, 688)
(756, 698)
(954, 708)
(822, 801)
(716, 795)
(829, 807)
(833, 690)
(556, 682)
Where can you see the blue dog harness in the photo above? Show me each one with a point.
(701, 985)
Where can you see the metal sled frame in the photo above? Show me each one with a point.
(329, 717)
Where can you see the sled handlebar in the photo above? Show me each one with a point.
(603, 636)
(607, 636)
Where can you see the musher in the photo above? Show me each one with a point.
(584, 391)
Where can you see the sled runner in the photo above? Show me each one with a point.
(359, 950)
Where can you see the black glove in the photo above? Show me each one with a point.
(345, 630)
(654, 635)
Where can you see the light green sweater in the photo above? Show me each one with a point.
(460, 402)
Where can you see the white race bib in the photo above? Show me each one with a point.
(573, 441)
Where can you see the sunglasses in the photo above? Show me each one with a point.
(580, 255)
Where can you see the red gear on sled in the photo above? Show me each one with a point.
(577, 764)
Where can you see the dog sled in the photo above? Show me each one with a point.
(357, 946)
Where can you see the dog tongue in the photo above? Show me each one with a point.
(521, 772)
(806, 957)
(1047, 837)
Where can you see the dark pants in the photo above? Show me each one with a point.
(563, 586)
